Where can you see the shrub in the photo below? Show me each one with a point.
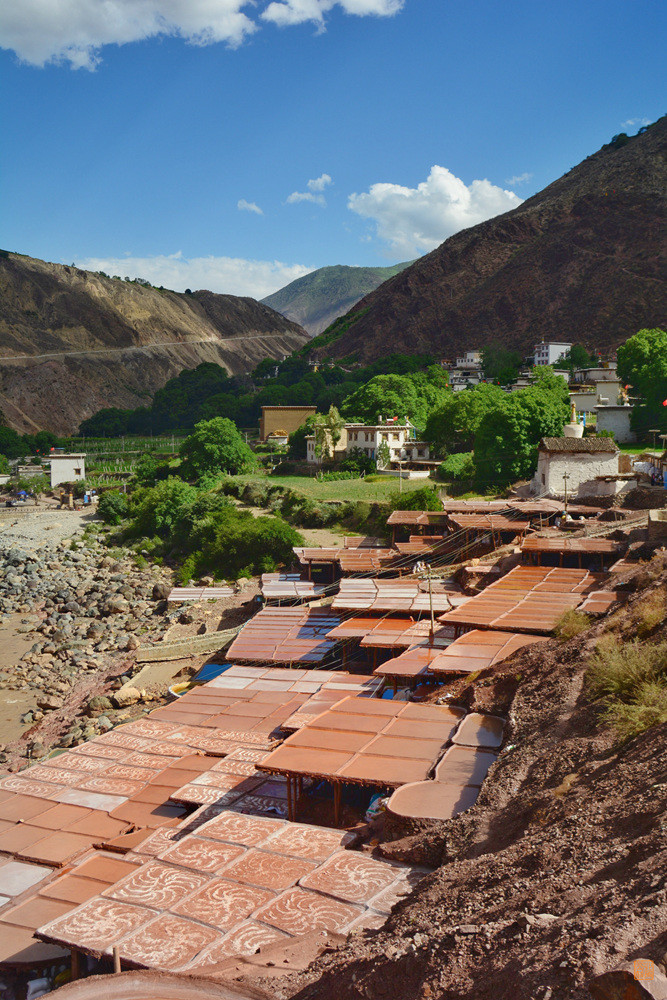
(649, 612)
(113, 507)
(232, 540)
(631, 680)
(425, 498)
(571, 623)
(158, 510)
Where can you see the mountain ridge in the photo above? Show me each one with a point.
(581, 260)
(315, 300)
(74, 341)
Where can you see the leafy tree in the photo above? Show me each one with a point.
(454, 424)
(413, 396)
(507, 438)
(149, 469)
(4, 465)
(577, 357)
(215, 446)
(501, 364)
(327, 429)
(11, 443)
(296, 443)
(383, 456)
(642, 363)
(458, 466)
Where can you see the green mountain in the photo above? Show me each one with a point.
(318, 298)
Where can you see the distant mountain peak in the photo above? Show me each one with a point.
(318, 298)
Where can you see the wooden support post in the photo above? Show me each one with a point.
(116, 959)
(337, 800)
(76, 967)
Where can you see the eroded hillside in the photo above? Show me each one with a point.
(72, 342)
(583, 260)
(559, 872)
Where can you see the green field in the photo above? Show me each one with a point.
(340, 489)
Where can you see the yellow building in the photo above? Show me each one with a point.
(283, 419)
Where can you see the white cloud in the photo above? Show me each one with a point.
(637, 121)
(518, 179)
(74, 31)
(288, 12)
(248, 206)
(414, 220)
(314, 192)
(227, 275)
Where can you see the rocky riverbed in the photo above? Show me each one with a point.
(84, 609)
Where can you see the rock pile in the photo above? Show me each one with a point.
(87, 607)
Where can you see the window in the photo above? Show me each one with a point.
(544, 480)
(77, 472)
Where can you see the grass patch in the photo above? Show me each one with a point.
(649, 613)
(631, 680)
(341, 490)
(571, 623)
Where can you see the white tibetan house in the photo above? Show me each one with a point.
(577, 466)
(67, 468)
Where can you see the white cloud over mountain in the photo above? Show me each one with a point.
(314, 192)
(227, 275)
(415, 220)
(74, 31)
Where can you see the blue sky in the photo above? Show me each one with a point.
(235, 145)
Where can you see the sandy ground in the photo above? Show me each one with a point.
(42, 526)
(13, 704)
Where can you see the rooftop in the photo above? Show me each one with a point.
(581, 446)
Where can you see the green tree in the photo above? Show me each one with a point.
(413, 396)
(454, 424)
(501, 364)
(577, 357)
(4, 465)
(642, 363)
(327, 429)
(215, 446)
(507, 438)
(11, 443)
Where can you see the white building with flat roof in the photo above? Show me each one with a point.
(67, 468)
(576, 466)
(547, 353)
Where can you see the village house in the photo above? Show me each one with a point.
(399, 438)
(67, 468)
(549, 353)
(577, 467)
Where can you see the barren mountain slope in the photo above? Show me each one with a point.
(114, 342)
(556, 875)
(583, 260)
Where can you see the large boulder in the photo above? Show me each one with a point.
(161, 591)
(127, 695)
(638, 980)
